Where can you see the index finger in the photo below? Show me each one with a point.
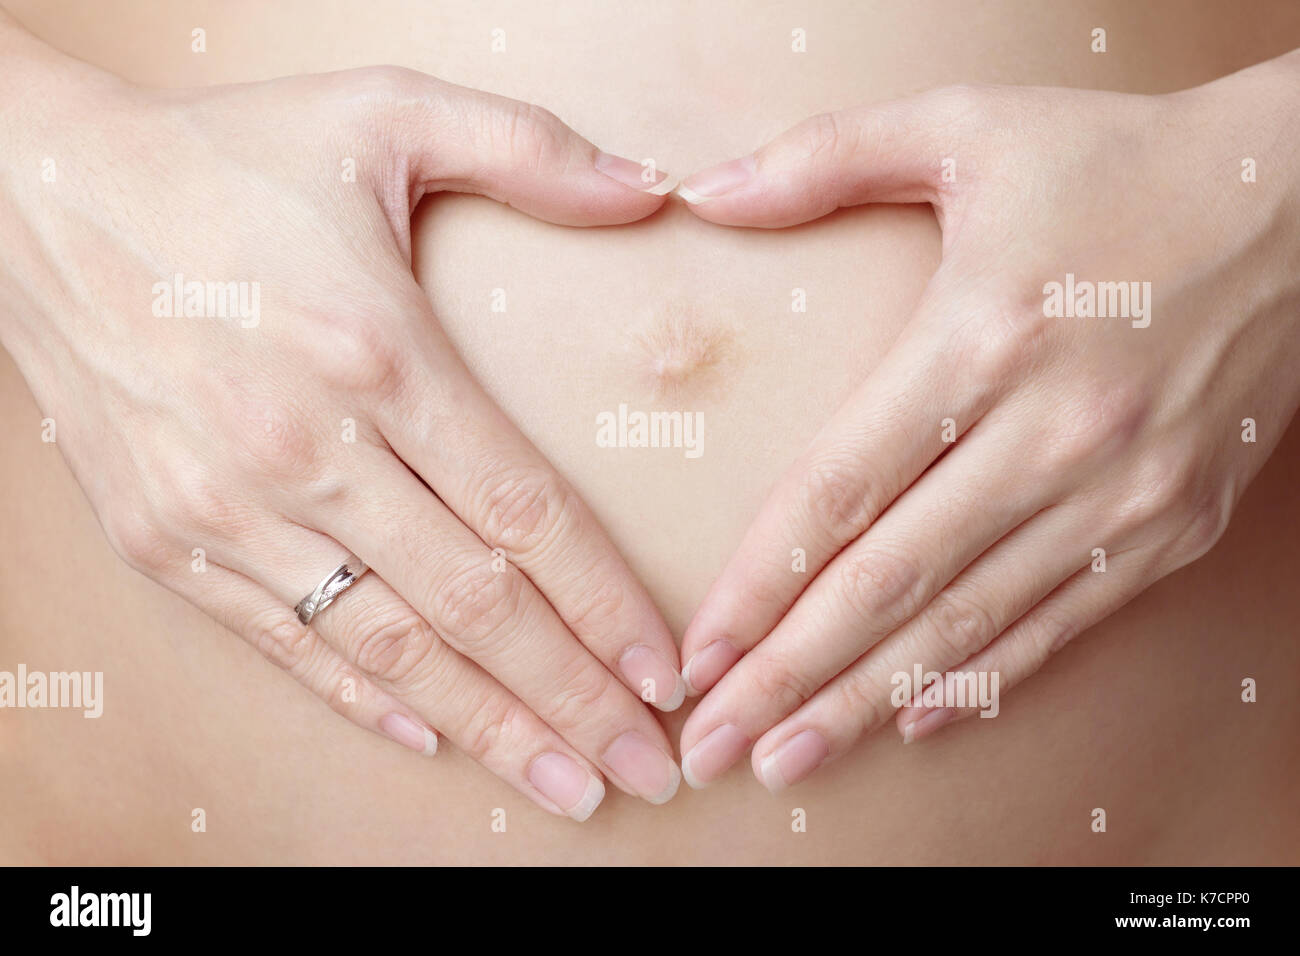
(450, 432)
(892, 428)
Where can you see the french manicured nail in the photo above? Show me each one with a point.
(654, 679)
(644, 767)
(793, 760)
(631, 173)
(409, 733)
(716, 180)
(707, 665)
(709, 759)
(560, 779)
(927, 724)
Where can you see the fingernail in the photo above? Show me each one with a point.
(642, 177)
(793, 760)
(716, 180)
(648, 672)
(409, 733)
(706, 666)
(560, 779)
(710, 758)
(643, 767)
(928, 724)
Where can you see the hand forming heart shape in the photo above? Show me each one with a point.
(240, 463)
(1070, 414)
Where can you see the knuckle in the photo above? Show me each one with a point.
(1049, 630)
(274, 439)
(357, 356)
(833, 495)
(882, 583)
(358, 101)
(522, 509)
(997, 329)
(1145, 505)
(780, 685)
(859, 699)
(828, 135)
(598, 609)
(1003, 345)
(1164, 481)
(493, 724)
(329, 490)
(1205, 525)
(392, 650)
(382, 79)
(532, 134)
(961, 625)
(1184, 485)
(1105, 420)
(139, 541)
(583, 696)
(201, 503)
(965, 106)
(285, 642)
(341, 691)
(475, 601)
(376, 91)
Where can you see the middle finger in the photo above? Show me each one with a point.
(957, 510)
(486, 608)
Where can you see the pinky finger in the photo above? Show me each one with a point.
(244, 607)
(1081, 601)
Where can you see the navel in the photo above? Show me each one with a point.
(680, 351)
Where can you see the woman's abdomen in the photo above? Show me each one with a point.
(756, 335)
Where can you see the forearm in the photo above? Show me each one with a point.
(1230, 149)
(51, 106)
(24, 57)
(36, 83)
(1257, 111)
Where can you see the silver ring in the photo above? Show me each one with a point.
(335, 583)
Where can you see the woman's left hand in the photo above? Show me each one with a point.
(960, 508)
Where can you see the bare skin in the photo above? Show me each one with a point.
(1103, 726)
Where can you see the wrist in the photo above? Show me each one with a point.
(42, 87)
(1248, 124)
(47, 102)
(1261, 105)
(1277, 129)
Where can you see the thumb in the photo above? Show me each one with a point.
(890, 153)
(463, 140)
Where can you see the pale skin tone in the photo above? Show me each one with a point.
(950, 510)
(536, 659)
(312, 574)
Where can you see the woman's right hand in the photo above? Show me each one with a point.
(238, 460)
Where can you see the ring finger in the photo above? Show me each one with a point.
(419, 661)
(955, 511)
(982, 602)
